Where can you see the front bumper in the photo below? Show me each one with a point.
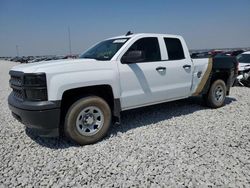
(43, 116)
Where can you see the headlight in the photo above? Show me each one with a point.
(35, 80)
(35, 87)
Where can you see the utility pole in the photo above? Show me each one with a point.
(70, 53)
(17, 51)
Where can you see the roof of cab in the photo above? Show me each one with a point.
(146, 35)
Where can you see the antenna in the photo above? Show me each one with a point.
(17, 51)
(69, 40)
(129, 33)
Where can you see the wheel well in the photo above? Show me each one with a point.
(220, 75)
(223, 76)
(72, 95)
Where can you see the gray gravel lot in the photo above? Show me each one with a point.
(177, 144)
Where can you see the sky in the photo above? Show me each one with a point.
(40, 27)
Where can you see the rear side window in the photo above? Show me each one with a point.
(174, 48)
(150, 48)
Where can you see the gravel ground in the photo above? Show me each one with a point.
(177, 144)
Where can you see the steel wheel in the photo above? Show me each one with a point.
(218, 93)
(89, 121)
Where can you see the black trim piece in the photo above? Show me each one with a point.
(153, 61)
(173, 59)
(16, 73)
(27, 87)
(117, 108)
(230, 81)
(16, 87)
(20, 74)
(45, 121)
(33, 105)
(33, 87)
(117, 111)
(43, 116)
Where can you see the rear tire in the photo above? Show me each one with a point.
(216, 95)
(87, 120)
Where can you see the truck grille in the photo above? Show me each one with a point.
(28, 86)
(18, 93)
(16, 83)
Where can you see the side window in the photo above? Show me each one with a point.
(148, 47)
(174, 48)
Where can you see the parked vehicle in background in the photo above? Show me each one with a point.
(200, 55)
(233, 53)
(5, 58)
(19, 59)
(80, 97)
(216, 52)
(70, 57)
(33, 59)
(244, 69)
(244, 61)
(236, 52)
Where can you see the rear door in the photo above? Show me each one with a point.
(179, 69)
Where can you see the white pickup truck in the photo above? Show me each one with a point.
(81, 97)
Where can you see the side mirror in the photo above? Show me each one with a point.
(133, 57)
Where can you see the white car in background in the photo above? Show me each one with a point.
(244, 69)
(244, 61)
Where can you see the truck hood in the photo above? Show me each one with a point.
(63, 65)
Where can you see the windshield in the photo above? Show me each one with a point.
(105, 50)
(244, 58)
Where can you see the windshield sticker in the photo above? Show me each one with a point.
(120, 41)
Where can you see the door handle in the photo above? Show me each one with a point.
(186, 66)
(161, 68)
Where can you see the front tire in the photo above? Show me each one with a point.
(87, 120)
(216, 95)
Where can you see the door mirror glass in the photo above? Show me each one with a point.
(133, 57)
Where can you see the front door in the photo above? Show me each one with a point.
(152, 79)
(143, 81)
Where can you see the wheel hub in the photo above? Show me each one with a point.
(219, 93)
(88, 119)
